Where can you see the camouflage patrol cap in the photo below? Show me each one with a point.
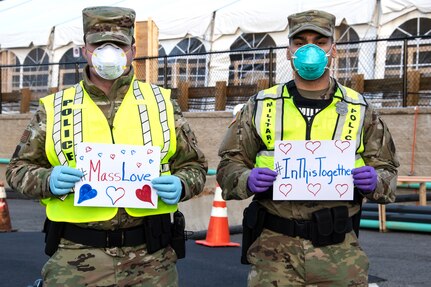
(314, 20)
(105, 23)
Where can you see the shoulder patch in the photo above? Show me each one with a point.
(25, 136)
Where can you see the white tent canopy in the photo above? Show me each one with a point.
(26, 22)
(31, 22)
(256, 16)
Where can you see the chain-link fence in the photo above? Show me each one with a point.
(389, 72)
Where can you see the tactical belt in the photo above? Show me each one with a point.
(104, 238)
(293, 228)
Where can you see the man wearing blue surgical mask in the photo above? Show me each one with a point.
(308, 242)
(109, 246)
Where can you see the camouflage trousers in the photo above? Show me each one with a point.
(77, 265)
(279, 260)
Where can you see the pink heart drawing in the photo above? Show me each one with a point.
(88, 149)
(342, 145)
(285, 188)
(312, 145)
(341, 188)
(285, 148)
(115, 194)
(138, 164)
(112, 156)
(314, 188)
(150, 151)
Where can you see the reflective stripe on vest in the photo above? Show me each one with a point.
(145, 117)
(342, 119)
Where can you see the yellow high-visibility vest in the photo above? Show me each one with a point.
(145, 117)
(276, 117)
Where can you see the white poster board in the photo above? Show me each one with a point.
(314, 170)
(117, 175)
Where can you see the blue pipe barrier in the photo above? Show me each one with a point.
(395, 225)
(212, 172)
(414, 185)
(410, 197)
(399, 217)
(394, 208)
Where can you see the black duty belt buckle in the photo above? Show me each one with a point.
(114, 238)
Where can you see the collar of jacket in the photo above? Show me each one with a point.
(122, 83)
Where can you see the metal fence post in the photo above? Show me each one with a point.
(165, 72)
(405, 73)
(76, 72)
(1, 91)
(271, 66)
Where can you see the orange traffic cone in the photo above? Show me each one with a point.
(5, 225)
(218, 228)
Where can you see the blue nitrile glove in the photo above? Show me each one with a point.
(261, 179)
(365, 178)
(63, 178)
(168, 188)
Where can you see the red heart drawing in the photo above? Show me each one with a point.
(285, 188)
(88, 149)
(312, 145)
(341, 189)
(112, 156)
(144, 194)
(342, 145)
(314, 188)
(285, 148)
(138, 164)
(115, 194)
(149, 151)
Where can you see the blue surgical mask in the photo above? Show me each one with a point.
(310, 61)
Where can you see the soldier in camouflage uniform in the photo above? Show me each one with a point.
(121, 257)
(301, 243)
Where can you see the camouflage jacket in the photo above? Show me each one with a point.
(241, 144)
(29, 169)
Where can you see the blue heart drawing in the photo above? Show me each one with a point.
(100, 154)
(81, 157)
(151, 161)
(132, 152)
(86, 192)
(123, 151)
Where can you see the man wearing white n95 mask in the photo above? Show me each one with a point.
(108, 246)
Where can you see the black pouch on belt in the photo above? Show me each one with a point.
(252, 226)
(321, 228)
(53, 233)
(157, 230)
(340, 215)
(178, 241)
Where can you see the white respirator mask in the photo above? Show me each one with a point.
(109, 61)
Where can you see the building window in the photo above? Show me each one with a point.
(346, 62)
(161, 67)
(246, 67)
(10, 76)
(36, 77)
(186, 65)
(418, 50)
(68, 75)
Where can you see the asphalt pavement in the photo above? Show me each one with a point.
(397, 259)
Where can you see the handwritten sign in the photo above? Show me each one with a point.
(314, 170)
(117, 175)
